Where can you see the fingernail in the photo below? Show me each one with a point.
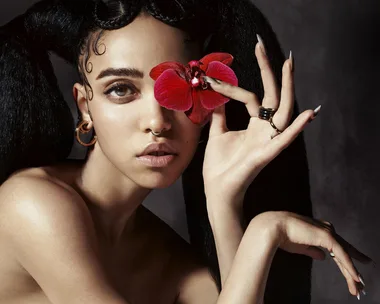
(317, 110)
(261, 43)
(291, 60)
(332, 254)
(364, 292)
(211, 80)
(358, 296)
(361, 279)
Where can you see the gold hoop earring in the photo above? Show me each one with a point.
(82, 129)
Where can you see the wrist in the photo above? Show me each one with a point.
(268, 225)
(221, 208)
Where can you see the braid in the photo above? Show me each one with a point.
(178, 14)
(112, 15)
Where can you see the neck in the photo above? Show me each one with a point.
(113, 198)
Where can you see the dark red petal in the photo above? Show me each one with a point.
(211, 99)
(172, 91)
(225, 58)
(159, 69)
(198, 114)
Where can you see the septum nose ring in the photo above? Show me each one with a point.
(156, 133)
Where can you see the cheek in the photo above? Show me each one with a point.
(189, 132)
(112, 121)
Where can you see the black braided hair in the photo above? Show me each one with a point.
(111, 14)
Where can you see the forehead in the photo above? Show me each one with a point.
(143, 44)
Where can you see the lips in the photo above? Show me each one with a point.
(158, 149)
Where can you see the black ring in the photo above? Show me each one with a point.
(266, 113)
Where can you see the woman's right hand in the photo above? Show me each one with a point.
(303, 235)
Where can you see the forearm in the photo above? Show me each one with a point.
(227, 227)
(248, 275)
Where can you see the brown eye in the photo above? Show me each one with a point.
(120, 91)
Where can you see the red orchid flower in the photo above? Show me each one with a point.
(182, 88)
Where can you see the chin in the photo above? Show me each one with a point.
(158, 180)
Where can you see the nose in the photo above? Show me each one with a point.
(156, 119)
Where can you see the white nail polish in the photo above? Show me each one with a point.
(316, 111)
(291, 60)
(361, 280)
(364, 292)
(358, 296)
(261, 42)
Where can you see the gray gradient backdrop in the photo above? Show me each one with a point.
(337, 65)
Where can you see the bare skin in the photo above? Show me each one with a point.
(76, 233)
(147, 266)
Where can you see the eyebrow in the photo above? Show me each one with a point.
(126, 72)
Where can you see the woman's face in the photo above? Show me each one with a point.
(124, 110)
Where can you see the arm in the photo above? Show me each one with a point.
(51, 233)
(227, 227)
(247, 278)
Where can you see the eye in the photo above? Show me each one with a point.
(121, 91)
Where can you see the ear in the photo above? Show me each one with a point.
(80, 96)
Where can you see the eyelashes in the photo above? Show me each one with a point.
(122, 92)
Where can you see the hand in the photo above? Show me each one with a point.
(234, 158)
(295, 233)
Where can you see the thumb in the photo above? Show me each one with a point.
(218, 123)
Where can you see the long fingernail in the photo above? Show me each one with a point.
(317, 110)
(211, 80)
(358, 296)
(364, 292)
(361, 279)
(261, 43)
(291, 60)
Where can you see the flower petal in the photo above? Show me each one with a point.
(173, 92)
(198, 114)
(159, 69)
(222, 72)
(225, 58)
(211, 99)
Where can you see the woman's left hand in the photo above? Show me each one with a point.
(234, 158)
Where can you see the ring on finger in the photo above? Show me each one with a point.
(266, 113)
(274, 127)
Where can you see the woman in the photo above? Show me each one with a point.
(76, 233)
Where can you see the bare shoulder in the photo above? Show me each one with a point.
(33, 192)
(45, 223)
(195, 283)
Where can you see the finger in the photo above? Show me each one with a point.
(331, 244)
(352, 251)
(271, 91)
(250, 99)
(218, 123)
(283, 140)
(285, 110)
(352, 285)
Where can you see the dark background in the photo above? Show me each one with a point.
(337, 63)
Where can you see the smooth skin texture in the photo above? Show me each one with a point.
(78, 233)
